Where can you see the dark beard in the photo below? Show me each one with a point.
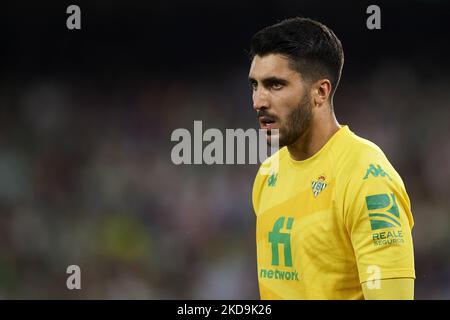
(297, 123)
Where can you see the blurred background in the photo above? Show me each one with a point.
(86, 117)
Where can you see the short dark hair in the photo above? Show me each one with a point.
(312, 48)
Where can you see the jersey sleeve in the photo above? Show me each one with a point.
(389, 289)
(378, 218)
(267, 169)
(256, 192)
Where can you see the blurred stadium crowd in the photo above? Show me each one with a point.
(86, 179)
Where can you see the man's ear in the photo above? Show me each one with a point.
(320, 92)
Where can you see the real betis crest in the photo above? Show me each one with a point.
(319, 185)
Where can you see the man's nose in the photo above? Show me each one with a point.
(260, 99)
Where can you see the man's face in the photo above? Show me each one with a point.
(280, 98)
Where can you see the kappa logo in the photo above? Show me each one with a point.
(376, 171)
(272, 180)
(383, 211)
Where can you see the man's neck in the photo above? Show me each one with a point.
(318, 134)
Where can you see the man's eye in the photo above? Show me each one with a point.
(277, 86)
(253, 86)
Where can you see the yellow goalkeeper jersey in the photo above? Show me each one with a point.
(331, 222)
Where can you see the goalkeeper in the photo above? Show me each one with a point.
(333, 216)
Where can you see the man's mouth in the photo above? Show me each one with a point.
(267, 123)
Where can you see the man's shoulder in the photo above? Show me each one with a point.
(269, 169)
(272, 163)
(354, 151)
(359, 159)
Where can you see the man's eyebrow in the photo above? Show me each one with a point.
(272, 80)
(268, 81)
(251, 80)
